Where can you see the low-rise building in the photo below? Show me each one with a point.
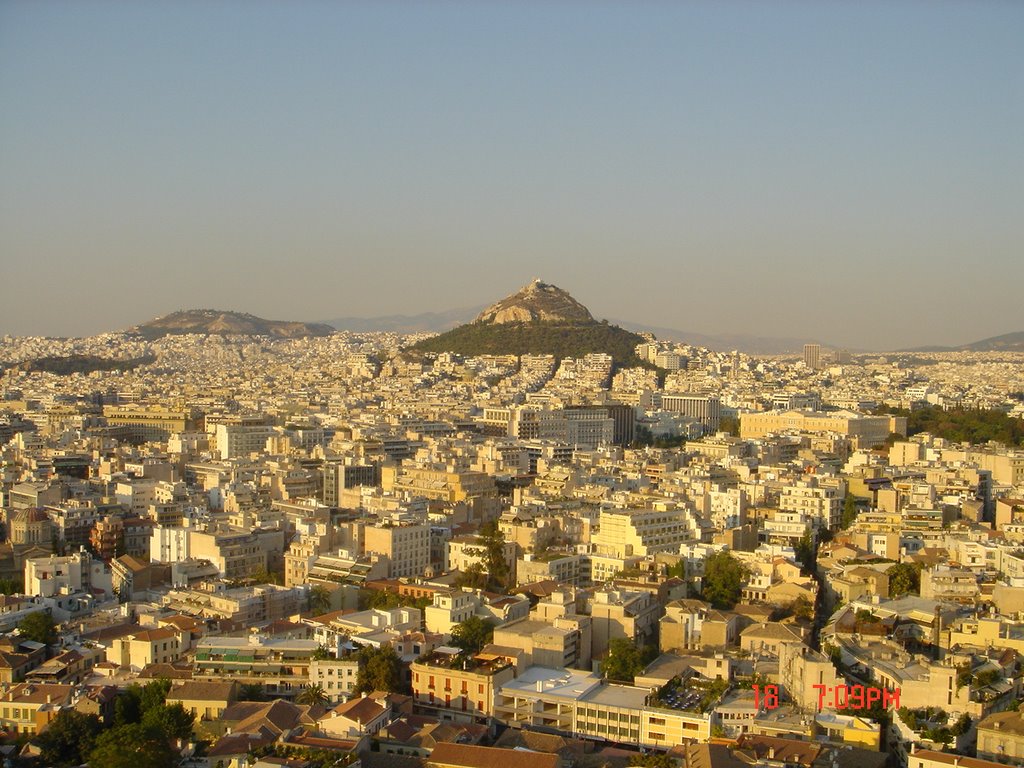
(457, 688)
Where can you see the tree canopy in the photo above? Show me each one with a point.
(473, 634)
(537, 338)
(724, 577)
(172, 720)
(849, 511)
(132, 746)
(39, 627)
(380, 669)
(904, 579)
(806, 552)
(68, 738)
(625, 661)
(963, 425)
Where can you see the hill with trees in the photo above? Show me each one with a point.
(540, 319)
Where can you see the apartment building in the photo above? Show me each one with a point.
(463, 552)
(583, 704)
(234, 440)
(50, 576)
(560, 642)
(239, 554)
(163, 645)
(622, 614)
(337, 677)
(801, 669)
(405, 545)
(564, 567)
(240, 606)
(27, 708)
(820, 503)
(280, 666)
(628, 532)
(1001, 737)
(457, 689)
(706, 409)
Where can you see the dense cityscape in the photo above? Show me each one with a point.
(536, 539)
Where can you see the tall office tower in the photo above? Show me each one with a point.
(812, 356)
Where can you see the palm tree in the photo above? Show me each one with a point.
(312, 695)
(319, 599)
(251, 692)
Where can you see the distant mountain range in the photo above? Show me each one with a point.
(220, 323)
(427, 322)
(1008, 342)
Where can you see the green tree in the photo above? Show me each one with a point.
(321, 654)
(805, 551)
(12, 586)
(312, 695)
(380, 669)
(251, 692)
(962, 725)
(724, 577)
(473, 634)
(319, 599)
(849, 511)
(172, 720)
(132, 746)
(68, 738)
(474, 577)
(802, 609)
(263, 576)
(497, 567)
(154, 694)
(624, 660)
(128, 706)
(729, 424)
(904, 579)
(39, 627)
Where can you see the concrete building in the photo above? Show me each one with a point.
(340, 474)
(620, 614)
(583, 704)
(51, 576)
(707, 409)
(812, 356)
(240, 554)
(460, 692)
(629, 532)
(234, 440)
(405, 545)
(1001, 737)
(864, 431)
(561, 642)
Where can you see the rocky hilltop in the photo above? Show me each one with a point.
(540, 319)
(220, 323)
(537, 302)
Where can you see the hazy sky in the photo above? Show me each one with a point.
(851, 171)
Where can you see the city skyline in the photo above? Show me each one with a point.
(844, 173)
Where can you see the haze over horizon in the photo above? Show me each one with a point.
(848, 172)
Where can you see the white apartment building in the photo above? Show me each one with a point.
(233, 440)
(629, 532)
(50, 576)
(169, 544)
(822, 504)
